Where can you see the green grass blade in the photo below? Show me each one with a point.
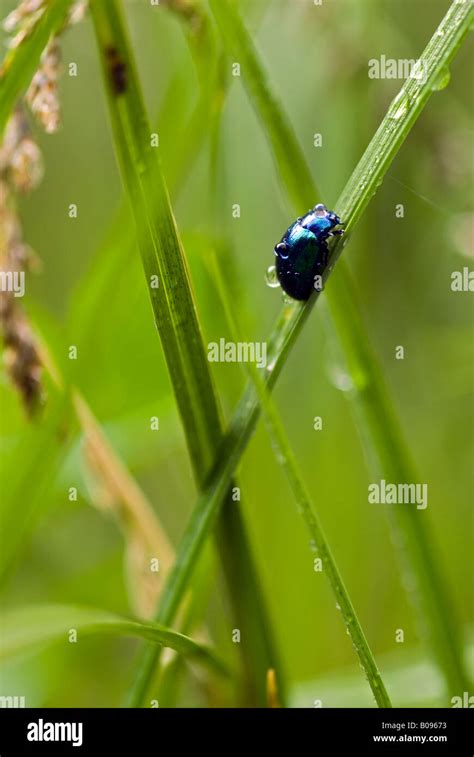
(21, 63)
(291, 165)
(375, 413)
(24, 628)
(158, 238)
(391, 460)
(174, 310)
(120, 241)
(440, 51)
(287, 460)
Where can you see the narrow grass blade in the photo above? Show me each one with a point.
(165, 268)
(20, 64)
(287, 460)
(290, 163)
(24, 628)
(173, 306)
(120, 241)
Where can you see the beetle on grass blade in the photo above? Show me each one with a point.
(302, 254)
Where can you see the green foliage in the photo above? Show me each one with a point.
(20, 64)
(27, 627)
(391, 287)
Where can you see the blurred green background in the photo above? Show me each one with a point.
(317, 59)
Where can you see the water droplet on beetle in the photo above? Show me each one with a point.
(271, 277)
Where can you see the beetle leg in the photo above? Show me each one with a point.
(324, 255)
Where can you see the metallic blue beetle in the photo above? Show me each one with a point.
(302, 254)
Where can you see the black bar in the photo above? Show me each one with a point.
(311, 731)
